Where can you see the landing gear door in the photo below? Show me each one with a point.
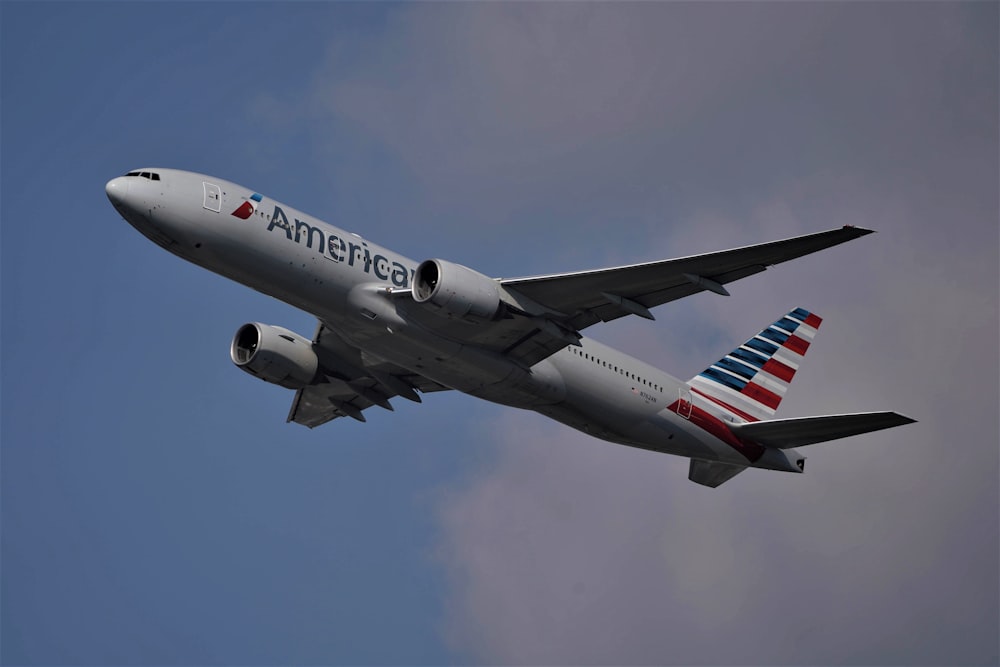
(213, 197)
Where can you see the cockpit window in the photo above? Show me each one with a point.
(151, 175)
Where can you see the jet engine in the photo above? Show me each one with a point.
(457, 291)
(275, 355)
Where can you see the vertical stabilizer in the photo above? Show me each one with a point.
(712, 473)
(751, 380)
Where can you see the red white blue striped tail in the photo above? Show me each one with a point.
(751, 380)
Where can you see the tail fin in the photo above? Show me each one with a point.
(712, 473)
(751, 380)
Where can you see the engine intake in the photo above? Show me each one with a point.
(457, 291)
(275, 355)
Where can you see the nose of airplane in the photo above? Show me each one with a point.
(117, 189)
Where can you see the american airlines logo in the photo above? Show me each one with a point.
(248, 208)
(336, 249)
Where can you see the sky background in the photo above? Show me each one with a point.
(156, 509)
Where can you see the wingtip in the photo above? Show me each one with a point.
(859, 231)
(896, 419)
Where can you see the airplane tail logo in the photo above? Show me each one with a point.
(751, 380)
(248, 208)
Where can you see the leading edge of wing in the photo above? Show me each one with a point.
(654, 283)
(831, 237)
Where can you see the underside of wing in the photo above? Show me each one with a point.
(540, 315)
(352, 383)
(578, 300)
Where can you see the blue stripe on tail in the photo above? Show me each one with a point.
(724, 378)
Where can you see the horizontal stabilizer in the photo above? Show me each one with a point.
(788, 433)
(712, 473)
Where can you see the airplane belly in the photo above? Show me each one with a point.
(613, 405)
(668, 432)
(464, 368)
(541, 385)
(661, 432)
(607, 406)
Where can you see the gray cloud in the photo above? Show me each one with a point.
(495, 101)
(574, 551)
(610, 133)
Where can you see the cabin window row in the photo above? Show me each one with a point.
(616, 369)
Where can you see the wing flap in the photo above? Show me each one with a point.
(798, 432)
(317, 404)
(353, 383)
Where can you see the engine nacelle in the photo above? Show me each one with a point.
(275, 355)
(457, 291)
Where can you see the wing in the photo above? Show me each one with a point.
(587, 297)
(353, 383)
(554, 308)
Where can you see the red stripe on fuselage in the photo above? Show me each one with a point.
(796, 344)
(709, 423)
(813, 321)
(735, 411)
(779, 370)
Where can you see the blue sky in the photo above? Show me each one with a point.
(156, 509)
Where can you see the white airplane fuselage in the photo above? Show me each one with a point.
(354, 287)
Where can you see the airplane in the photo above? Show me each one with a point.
(388, 326)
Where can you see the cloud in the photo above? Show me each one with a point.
(571, 551)
(542, 104)
(609, 133)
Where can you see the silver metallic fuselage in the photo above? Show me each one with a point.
(342, 279)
